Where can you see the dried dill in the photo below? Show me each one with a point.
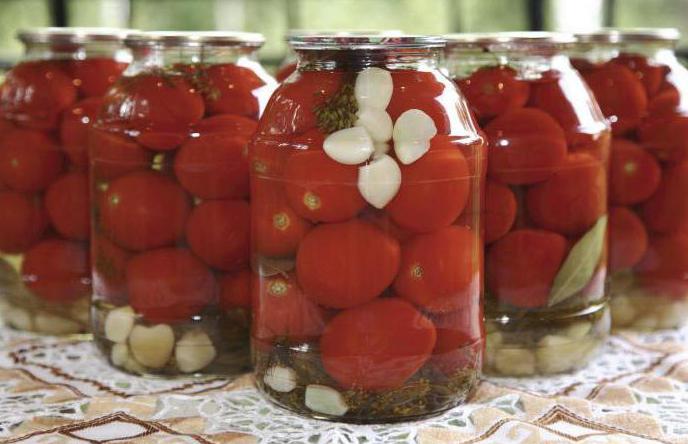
(339, 111)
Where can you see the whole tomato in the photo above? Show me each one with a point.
(500, 210)
(649, 74)
(68, 208)
(113, 155)
(76, 121)
(627, 239)
(109, 268)
(93, 76)
(22, 221)
(666, 211)
(634, 173)
(458, 344)
(226, 123)
(664, 267)
(419, 90)
(29, 160)
(493, 90)
(233, 89)
(235, 290)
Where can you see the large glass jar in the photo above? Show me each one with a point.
(643, 89)
(366, 177)
(170, 198)
(47, 102)
(545, 218)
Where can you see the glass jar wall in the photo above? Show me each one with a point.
(170, 198)
(546, 217)
(47, 102)
(643, 89)
(366, 175)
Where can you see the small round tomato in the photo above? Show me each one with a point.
(29, 160)
(620, 94)
(664, 268)
(666, 137)
(377, 346)
(321, 189)
(634, 173)
(500, 210)
(627, 239)
(93, 76)
(439, 271)
(650, 75)
(572, 199)
(493, 90)
(526, 146)
(419, 90)
(383, 221)
(22, 221)
(226, 123)
(144, 210)
(235, 290)
(68, 208)
(281, 311)
(169, 285)
(218, 232)
(214, 166)
(346, 264)
(234, 87)
(433, 192)
(458, 344)
(521, 266)
(113, 155)
(665, 102)
(35, 93)
(76, 121)
(667, 210)
(57, 270)
(285, 71)
(109, 267)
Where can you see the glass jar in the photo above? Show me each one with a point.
(47, 102)
(366, 175)
(545, 218)
(643, 89)
(170, 198)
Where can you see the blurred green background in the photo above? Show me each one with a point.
(274, 17)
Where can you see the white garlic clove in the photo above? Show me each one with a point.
(623, 311)
(280, 379)
(408, 151)
(373, 88)
(134, 366)
(119, 354)
(118, 323)
(81, 311)
(557, 354)
(194, 351)
(349, 146)
(379, 181)
(514, 361)
(19, 318)
(55, 325)
(578, 330)
(326, 400)
(381, 148)
(152, 346)
(377, 122)
(414, 124)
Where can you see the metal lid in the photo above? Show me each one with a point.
(343, 32)
(364, 41)
(72, 35)
(630, 35)
(511, 39)
(194, 38)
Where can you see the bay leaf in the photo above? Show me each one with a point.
(580, 264)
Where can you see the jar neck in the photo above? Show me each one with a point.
(356, 59)
(168, 56)
(76, 51)
(599, 53)
(530, 65)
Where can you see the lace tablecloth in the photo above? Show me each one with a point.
(54, 391)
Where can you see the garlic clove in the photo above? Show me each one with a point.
(578, 330)
(623, 311)
(379, 181)
(119, 354)
(280, 379)
(414, 124)
(55, 325)
(377, 122)
(194, 351)
(408, 151)
(373, 88)
(514, 361)
(152, 346)
(118, 323)
(349, 146)
(19, 318)
(326, 400)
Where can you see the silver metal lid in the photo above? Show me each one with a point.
(364, 41)
(630, 35)
(72, 35)
(194, 38)
(511, 39)
(343, 32)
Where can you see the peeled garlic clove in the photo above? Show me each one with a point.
(55, 325)
(324, 399)
(349, 146)
(514, 361)
(119, 354)
(377, 122)
(373, 88)
(578, 330)
(379, 181)
(381, 148)
(280, 379)
(194, 351)
(623, 311)
(152, 346)
(19, 318)
(118, 323)
(408, 151)
(414, 125)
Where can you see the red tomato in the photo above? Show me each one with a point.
(459, 340)
(521, 266)
(439, 271)
(526, 146)
(74, 130)
(35, 93)
(57, 271)
(235, 86)
(382, 220)
(312, 139)
(226, 123)
(93, 76)
(627, 239)
(109, 267)
(235, 290)
(667, 210)
(218, 232)
(634, 173)
(665, 102)
(67, 203)
(285, 71)
(144, 210)
(418, 90)
(214, 166)
(493, 90)
(113, 155)
(500, 210)
(651, 76)
(29, 160)
(664, 268)
(281, 311)
(321, 189)
(22, 221)
(377, 346)
(169, 285)
(666, 137)
(346, 264)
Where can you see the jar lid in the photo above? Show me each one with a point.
(194, 38)
(343, 32)
(368, 41)
(72, 35)
(510, 39)
(630, 35)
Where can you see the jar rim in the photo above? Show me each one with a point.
(630, 35)
(296, 32)
(364, 41)
(194, 38)
(73, 35)
(526, 38)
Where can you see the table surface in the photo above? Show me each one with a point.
(58, 390)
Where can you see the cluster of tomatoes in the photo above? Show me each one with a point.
(546, 175)
(171, 190)
(47, 107)
(378, 293)
(649, 168)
